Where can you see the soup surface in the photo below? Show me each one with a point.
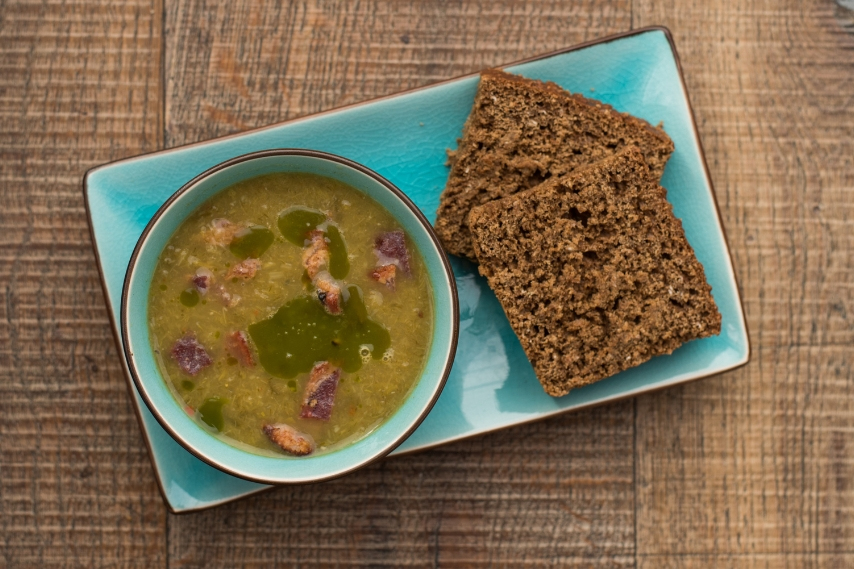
(290, 313)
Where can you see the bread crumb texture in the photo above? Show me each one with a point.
(594, 272)
(522, 132)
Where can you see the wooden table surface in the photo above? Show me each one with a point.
(753, 468)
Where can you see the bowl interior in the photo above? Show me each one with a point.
(251, 464)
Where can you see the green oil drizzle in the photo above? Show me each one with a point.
(302, 333)
(295, 223)
(251, 242)
(211, 412)
(190, 297)
(188, 385)
(339, 263)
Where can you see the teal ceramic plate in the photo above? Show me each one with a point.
(404, 137)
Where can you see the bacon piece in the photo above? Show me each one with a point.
(289, 439)
(220, 232)
(202, 280)
(385, 275)
(237, 346)
(315, 259)
(328, 292)
(319, 396)
(190, 355)
(245, 269)
(390, 248)
(315, 256)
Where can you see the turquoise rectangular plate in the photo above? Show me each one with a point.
(404, 137)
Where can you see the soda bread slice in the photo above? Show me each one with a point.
(594, 272)
(521, 132)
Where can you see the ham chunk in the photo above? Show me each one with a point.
(244, 270)
(390, 249)
(315, 256)
(237, 346)
(319, 396)
(289, 439)
(315, 259)
(328, 292)
(385, 275)
(220, 232)
(190, 355)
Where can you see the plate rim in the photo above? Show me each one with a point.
(623, 396)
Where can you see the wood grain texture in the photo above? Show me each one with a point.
(555, 494)
(79, 86)
(754, 469)
(751, 469)
(237, 65)
(744, 561)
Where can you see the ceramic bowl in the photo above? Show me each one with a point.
(238, 459)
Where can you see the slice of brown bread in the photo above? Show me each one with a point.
(521, 132)
(594, 272)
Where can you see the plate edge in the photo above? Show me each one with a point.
(580, 407)
(707, 174)
(117, 343)
(561, 51)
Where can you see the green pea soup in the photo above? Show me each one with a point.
(380, 341)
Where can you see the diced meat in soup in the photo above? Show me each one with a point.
(203, 280)
(190, 355)
(244, 270)
(319, 397)
(289, 439)
(221, 232)
(328, 293)
(315, 256)
(390, 248)
(237, 346)
(385, 274)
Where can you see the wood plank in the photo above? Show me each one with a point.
(745, 561)
(758, 462)
(557, 493)
(769, 471)
(305, 57)
(79, 85)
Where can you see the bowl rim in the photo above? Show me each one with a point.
(382, 181)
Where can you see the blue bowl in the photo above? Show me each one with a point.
(240, 460)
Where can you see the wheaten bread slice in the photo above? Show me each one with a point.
(521, 132)
(594, 272)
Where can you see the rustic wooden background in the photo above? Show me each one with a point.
(754, 468)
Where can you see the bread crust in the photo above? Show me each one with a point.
(522, 132)
(594, 272)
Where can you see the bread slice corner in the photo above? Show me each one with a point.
(593, 271)
(522, 132)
